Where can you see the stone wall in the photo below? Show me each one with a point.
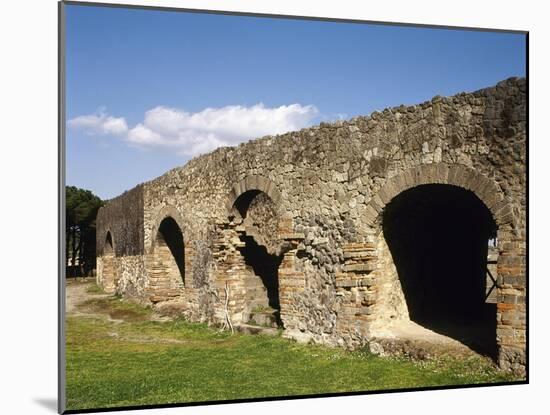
(327, 185)
(123, 218)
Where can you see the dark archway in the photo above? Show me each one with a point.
(108, 247)
(265, 266)
(242, 203)
(260, 220)
(169, 253)
(438, 237)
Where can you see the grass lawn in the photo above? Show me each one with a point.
(142, 362)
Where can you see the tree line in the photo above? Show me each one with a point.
(80, 230)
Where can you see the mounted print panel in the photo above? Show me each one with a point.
(348, 198)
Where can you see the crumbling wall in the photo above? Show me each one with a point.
(331, 183)
(123, 218)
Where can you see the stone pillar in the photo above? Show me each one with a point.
(107, 273)
(511, 301)
(164, 280)
(189, 256)
(99, 271)
(291, 281)
(357, 289)
(230, 271)
(291, 284)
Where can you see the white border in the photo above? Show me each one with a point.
(28, 31)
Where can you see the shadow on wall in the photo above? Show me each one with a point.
(169, 236)
(243, 201)
(438, 236)
(260, 252)
(265, 266)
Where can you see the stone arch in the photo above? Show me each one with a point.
(256, 218)
(165, 212)
(386, 267)
(167, 261)
(442, 173)
(252, 190)
(253, 182)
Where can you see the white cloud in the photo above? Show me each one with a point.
(196, 133)
(144, 136)
(99, 124)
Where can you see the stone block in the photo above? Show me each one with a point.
(366, 267)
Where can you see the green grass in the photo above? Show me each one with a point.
(94, 289)
(118, 309)
(142, 362)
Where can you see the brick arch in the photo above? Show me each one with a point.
(253, 182)
(442, 173)
(165, 212)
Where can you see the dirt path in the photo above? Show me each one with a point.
(77, 293)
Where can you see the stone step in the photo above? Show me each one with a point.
(254, 305)
(159, 298)
(164, 292)
(251, 329)
(158, 286)
(365, 267)
(263, 318)
(256, 302)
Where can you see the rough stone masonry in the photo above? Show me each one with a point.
(342, 229)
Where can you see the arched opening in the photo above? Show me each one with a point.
(167, 274)
(109, 268)
(438, 236)
(264, 267)
(108, 247)
(261, 257)
(244, 200)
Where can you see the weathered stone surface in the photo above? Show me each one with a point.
(314, 197)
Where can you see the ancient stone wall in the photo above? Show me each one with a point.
(122, 217)
(328, 185)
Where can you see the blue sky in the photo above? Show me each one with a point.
(148, 90)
